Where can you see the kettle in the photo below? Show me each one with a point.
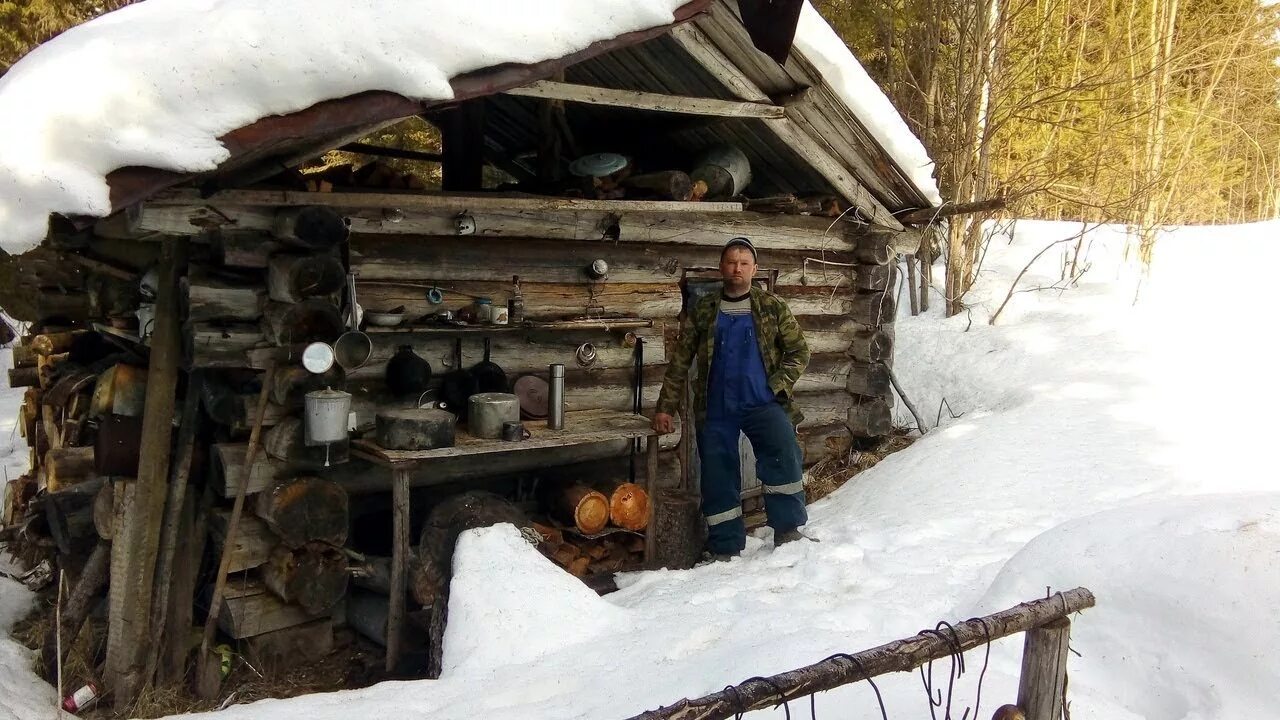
(407, 372)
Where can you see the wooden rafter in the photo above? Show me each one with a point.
(657, 102)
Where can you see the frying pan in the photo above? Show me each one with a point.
(488, 375)
(458, 385)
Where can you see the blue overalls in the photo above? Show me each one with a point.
(739, 400)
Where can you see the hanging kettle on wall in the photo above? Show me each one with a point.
(407, 372)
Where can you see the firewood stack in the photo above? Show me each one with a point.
(599, 528)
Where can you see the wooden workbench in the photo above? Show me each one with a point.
(580, 428)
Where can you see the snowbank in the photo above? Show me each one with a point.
(1099, 443)
(155, 84)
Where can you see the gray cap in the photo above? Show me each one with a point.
(739, 242)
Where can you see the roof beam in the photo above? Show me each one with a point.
(656, 102)
(788, 129)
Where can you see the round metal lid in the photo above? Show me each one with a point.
(317, 358)
(532, 392)
(597, 165)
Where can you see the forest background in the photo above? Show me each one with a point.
(1143, 112)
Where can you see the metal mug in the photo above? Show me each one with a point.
(514, 431)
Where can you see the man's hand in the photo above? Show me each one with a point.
(664, 423)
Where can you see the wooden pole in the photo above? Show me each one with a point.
(399, 563)
(651, 486)
(137, 538)
(174, 504)
(898, 656)
(206, 687)
(1044, 670)
(911, 284)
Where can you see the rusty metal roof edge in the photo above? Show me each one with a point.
(130, 185)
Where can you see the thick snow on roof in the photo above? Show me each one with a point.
(821, 46)
(155, 84)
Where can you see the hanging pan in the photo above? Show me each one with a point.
(458, 385)
(489, 376)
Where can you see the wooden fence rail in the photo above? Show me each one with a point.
(905, 655)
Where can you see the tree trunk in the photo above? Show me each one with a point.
(582, 507)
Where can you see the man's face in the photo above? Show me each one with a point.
(737, 267)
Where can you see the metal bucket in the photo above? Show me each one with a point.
(325, 415)
(725, 169)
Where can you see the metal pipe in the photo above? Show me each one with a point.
(555, 398)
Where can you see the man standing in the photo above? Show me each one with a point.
(750, 352)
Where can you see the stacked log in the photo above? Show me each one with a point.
(583, 557)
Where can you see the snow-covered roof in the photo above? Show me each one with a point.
(160, 84)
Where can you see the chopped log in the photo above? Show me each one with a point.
(872, 345)
(308, 321)
(49, 423)
(47, 368)
(283, 649)
(586, 509)
(211, 298)
(874, 277)
(870, 418)
(286, 442)
(67, 466)
(53, 343)
(17, 492)
(314, 576)
(24, 377)
(628, 504)
(253, 542)
(314, 227)
(24, 356)
(294, 278)
(873, 249)
(550, 535)
(666, 185)
(93, 578)
(873, 309)
(305, 509)
(870, 379)
(249, 609)
(69, 514)
(230, 459)
(578, 568)
(104, 511)
(678, 529)
(564, 554)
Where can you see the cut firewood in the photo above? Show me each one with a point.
(565, 554)
(24, 377)
(305, 509)
(578, 568)
(67, 466)
(552, 536)
(314, 576)
(47, 368)
(598, 551)
(628, 504)
(586, 509)
(666, 185)
(53, 343)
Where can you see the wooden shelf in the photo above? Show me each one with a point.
(580, 428)
(447, 330)
(116, 332)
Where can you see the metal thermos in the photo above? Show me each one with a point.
(555, 398)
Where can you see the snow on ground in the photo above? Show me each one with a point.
(1101, 443)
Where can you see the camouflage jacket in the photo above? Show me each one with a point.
(782, 347)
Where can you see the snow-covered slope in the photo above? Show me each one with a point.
(1101, 443)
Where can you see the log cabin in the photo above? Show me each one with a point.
(166, 398)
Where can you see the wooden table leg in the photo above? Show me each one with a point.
(651, 486)
(399, 563)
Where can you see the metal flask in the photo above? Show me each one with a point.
(555, 398)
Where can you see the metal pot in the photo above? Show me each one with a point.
(325, 414)
(489, 412)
